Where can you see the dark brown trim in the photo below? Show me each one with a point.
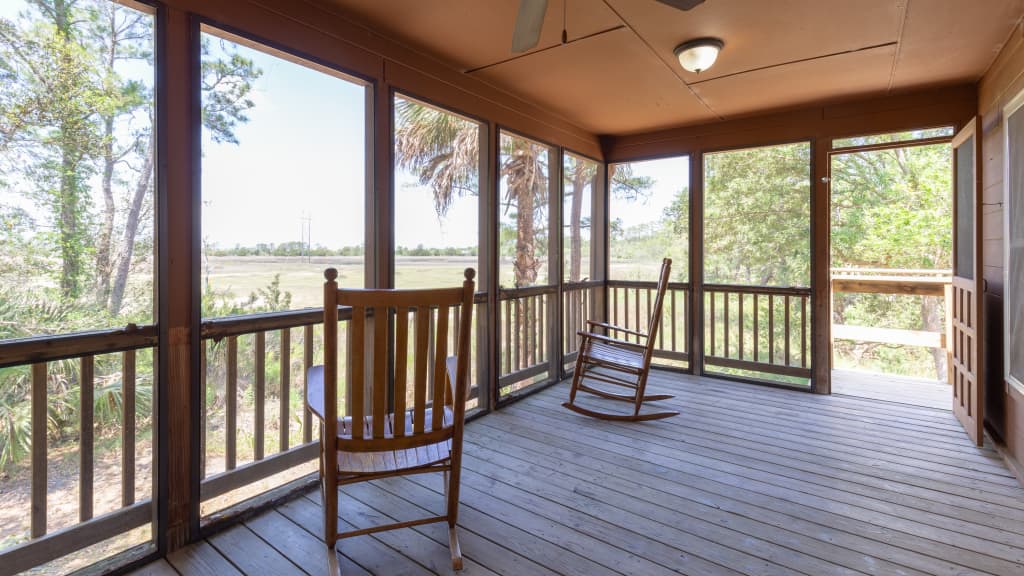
(695, 330)
(63, 346)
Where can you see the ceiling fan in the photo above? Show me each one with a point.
(531, 18)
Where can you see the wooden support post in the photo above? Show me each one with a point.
(178, 128)
(697, 320)
(821, 290)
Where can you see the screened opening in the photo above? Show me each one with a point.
(527, 288)
(437, 214)
(891, 213)
(757, 231)
(283, 198)
(77, 254)
(648, 220)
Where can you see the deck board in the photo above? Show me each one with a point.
(747, 480)
(891, 388)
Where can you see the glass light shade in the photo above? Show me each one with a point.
(698, 55)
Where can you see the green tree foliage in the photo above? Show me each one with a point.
(757, 216)
(76, 189)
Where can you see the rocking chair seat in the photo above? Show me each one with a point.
(604, 352)
(379, 461)
(386, 461)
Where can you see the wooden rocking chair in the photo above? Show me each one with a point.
(602, 358)
(408, 429)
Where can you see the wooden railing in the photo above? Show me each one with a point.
(83, 350)
(630, 306)
(578, 305)
(225, 334)
(758, 329)
(524, 336)
(901, 282)
(925, 283)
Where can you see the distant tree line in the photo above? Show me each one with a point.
(301, 249)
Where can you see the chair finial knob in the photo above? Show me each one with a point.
(331, 274)
(470, 273)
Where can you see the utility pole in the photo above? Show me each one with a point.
(307, 235)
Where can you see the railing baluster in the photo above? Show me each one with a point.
(128, 426)
(39, 449)
(803, 331)
(661, 325)
(506, 351)
(626, 309)
(741, 320)
(615, 306)
(636, 316)
(725, 324)
(231, 403)
(285, 391)
(771, 329)
(757, 333)
(672, 320)
(307, 363)
(648, 313)
(204, 417)
(711, 305)
(786, 331)
(261, 395)
(86, 388)
(685, 322)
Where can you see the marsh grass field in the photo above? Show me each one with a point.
(303, 277)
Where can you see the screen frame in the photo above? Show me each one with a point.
(1014, 106)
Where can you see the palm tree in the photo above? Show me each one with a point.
(442, 150)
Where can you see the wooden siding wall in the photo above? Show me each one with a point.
(1004, 405)
(949, 106)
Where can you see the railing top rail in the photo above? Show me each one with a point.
(773, 290)
(62, 346)
(215, 328)
(582, 284)
(926, 272)
(646, 284)
(506, 293)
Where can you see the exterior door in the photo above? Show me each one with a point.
(966, 370)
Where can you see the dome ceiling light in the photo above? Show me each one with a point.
(698, 55)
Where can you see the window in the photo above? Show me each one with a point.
(649, 218)
(437, 195)
(1014, 252)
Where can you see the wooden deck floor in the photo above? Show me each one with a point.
(902, 389)
(747, 480)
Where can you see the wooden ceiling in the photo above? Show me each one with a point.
(617, 73)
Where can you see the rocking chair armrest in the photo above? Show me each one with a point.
(617, 328)
(609, 340)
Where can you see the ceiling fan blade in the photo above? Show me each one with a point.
(682, 4)
(528, 24)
